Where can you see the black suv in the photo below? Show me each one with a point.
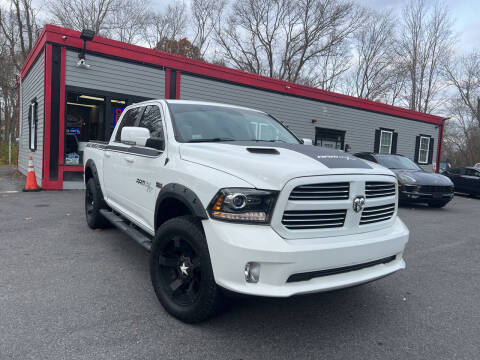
(414, 183)
(466, 180)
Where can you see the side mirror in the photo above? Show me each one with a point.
(307, 142)
(155, 143)
(135, 135)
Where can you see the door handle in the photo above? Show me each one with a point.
(107, 154)
(129, 159)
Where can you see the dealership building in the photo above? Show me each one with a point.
(65, 102)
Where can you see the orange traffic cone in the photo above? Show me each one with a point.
(31, 184)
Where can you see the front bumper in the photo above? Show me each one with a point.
(418, 196)
(231, 246)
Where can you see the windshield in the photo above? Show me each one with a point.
(397, 162)
(204, 123)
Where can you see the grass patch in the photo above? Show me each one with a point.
(4, 153)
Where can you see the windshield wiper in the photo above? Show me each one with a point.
(210, 140)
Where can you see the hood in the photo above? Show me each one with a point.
(421, 178)
(270, 165)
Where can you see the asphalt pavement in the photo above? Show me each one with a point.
(68, 292)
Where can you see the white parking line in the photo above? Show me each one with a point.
(9, 192)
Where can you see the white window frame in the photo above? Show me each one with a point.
(380, 143)
(420, 149)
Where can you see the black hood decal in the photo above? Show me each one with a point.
(334, 159)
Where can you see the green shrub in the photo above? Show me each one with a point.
(4, 153)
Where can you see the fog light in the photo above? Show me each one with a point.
(252, 272)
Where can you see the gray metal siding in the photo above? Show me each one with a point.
(298, 113)
(32, 87)
(115, 76)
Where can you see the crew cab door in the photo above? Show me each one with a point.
(117, 176)
(147, 168)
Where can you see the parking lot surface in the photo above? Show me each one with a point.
(68, 292)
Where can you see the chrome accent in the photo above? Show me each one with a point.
(377, 213)
(314, 219)
(326, 191)
(375, 189)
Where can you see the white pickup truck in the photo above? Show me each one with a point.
(227, 198)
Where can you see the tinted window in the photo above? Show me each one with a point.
(366, 157)
(152, 120)
(397, 162)
(129, 119)
(471, 172)
(196, 123)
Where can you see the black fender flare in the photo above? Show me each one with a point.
(90, 164)
(184, 195)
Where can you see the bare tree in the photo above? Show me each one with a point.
(285, 38)
(206, 15)
(327, 71)
(168, 24)
(373, 48)
(18, 32)
(84, 14)
(128, 21)
(19, 28)
(425, 41)
(464, 75)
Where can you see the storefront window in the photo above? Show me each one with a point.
(88, 117)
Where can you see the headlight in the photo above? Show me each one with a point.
(243, 205)
(405, 179)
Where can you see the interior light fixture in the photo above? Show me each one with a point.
(91, 97)
(84, 105)
(118, 101)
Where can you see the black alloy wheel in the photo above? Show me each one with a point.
(181, 271)
(179, 267)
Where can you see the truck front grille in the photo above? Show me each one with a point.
(377, 213)
(325, 191)
(313, 219)
(375, 189)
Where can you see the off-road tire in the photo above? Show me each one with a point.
(93, 203)
(192, 296)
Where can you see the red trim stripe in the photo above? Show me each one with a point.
(439, 145)
(110, 47)
(167, 84)
(32, 56)
(46, 116)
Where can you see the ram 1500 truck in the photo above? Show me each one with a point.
(228, 198)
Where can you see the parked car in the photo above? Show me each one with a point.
(415, 184)
(466, 180)
(226, 197)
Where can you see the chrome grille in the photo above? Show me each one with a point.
(325, 191)
(313, 219)
(375, 189)
(377, 213)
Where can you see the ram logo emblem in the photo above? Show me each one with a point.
(358, 203)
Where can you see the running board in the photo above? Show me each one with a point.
(128, 229)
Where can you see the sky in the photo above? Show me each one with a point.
(465, 13)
